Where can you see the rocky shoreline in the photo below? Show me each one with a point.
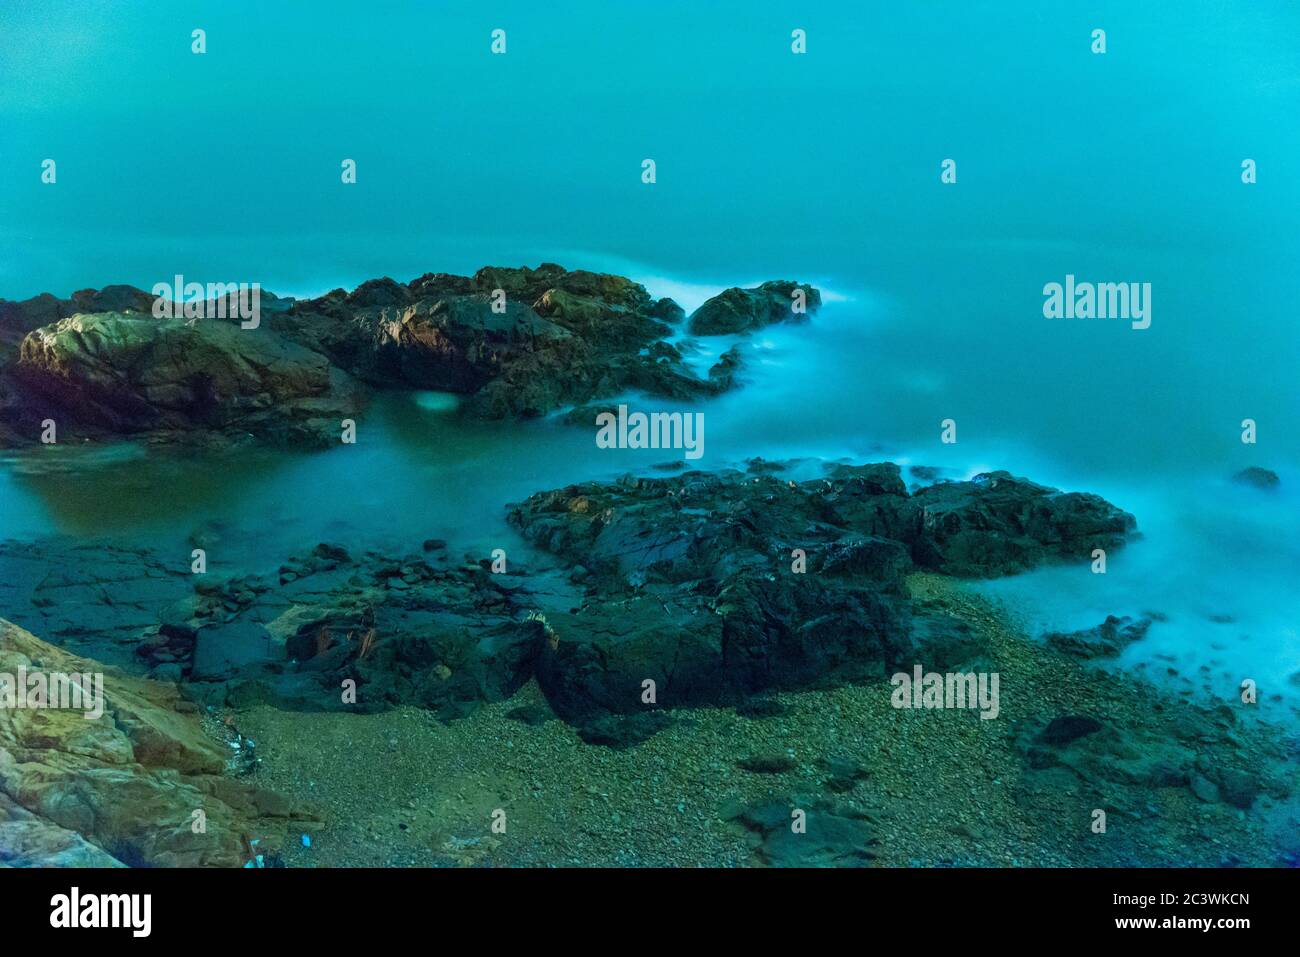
(704, 651)
(752, 602)
(883, 787)
(715, 586)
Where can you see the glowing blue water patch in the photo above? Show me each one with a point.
(437, 401)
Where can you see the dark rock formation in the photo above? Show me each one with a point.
(745, 310)
(696, 586)
(997, 524)
(563, 338)
(1258, 477)
(129, 373)
(516, 342)
(1104, 641)
(699, 589)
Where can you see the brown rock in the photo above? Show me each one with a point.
(123, 787)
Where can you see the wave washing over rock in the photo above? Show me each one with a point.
(637, 610)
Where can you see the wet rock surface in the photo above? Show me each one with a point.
(738, 310)
(98, 598)
(121, 789)
(128, 374)
(515, 342)
(662, 593)
(712, 587)
(1104, 641)
(997, 524)
(795, 833)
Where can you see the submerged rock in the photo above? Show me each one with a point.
(1104, 641)
(796, 833)
(1258, 477)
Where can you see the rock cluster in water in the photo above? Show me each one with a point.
(515, 342)
(713, 586)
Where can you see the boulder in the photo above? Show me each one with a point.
(997, 524)
(121, 788)
(717, 586)
(128, 373)
(738, 310)
(558, 338)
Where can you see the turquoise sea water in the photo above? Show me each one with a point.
(823, 167)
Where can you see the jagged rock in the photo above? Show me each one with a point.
(564, 338)
(1104, 641)
(100, 364)
(745, 310)
(693, 583)
(997, 524)
(451, 670)
(17, 319)
(125, 784)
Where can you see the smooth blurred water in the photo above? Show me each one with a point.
(823, 168)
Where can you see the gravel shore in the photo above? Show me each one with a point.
(931, 787)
